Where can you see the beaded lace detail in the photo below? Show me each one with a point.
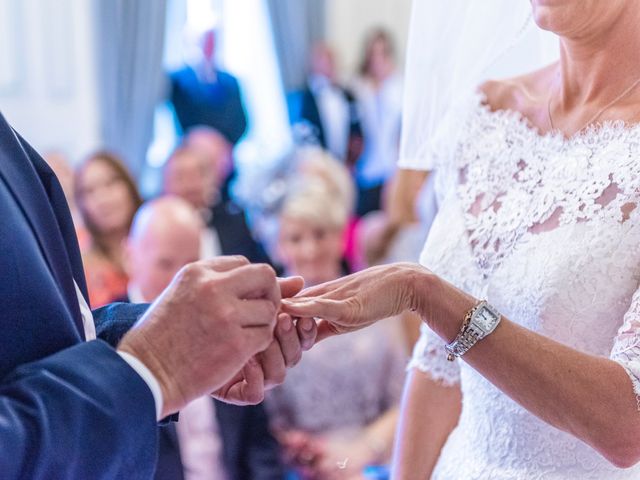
(547, 229)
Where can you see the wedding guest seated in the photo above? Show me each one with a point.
(107, 199)
(212, 439)
(195, 174)
(219, 152)
(351, 384)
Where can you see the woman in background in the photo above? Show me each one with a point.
(378, 93)
(336, 413)
(107, 199)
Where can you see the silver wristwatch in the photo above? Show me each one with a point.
(479, 322)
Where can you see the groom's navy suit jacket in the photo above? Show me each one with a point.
(68, 408)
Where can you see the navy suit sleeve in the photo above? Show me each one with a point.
(115, 320)
(80, 413)
(263, 452)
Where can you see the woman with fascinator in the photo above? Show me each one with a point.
(529, 361)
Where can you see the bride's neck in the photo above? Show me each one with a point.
(600, 66)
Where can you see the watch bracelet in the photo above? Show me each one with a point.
(459, 346)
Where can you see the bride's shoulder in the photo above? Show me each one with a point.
(518, 93)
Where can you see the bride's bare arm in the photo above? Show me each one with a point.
(429, 412)
(588, 396)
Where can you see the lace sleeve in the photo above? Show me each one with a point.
(626, 348)
(429, 357)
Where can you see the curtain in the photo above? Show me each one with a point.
(296, 25)
(129, 46)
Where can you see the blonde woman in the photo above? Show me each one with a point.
(352, 386)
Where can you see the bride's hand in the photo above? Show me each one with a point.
(358, 300)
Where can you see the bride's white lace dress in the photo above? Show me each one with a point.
(547, 229)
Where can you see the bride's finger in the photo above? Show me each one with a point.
(315, 307)
(314, 291)
(323, 288)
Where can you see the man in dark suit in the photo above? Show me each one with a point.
(330, 109)
(75, 407)
(212, 439)
(198, 172)
(204, 95)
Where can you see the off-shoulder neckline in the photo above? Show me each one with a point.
(607, 128)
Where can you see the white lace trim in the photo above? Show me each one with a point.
(631, 365)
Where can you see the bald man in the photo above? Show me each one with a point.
(164, 237)
(212, 439)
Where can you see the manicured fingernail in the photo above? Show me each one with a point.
(307, 324)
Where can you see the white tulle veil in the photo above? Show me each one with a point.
(454, 45)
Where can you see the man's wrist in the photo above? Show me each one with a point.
(149, 378)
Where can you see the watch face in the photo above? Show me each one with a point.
(485, 318)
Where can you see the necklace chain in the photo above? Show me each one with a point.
(599, 112)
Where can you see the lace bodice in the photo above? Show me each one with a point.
(546, 229)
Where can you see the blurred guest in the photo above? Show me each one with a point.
(212, 439)
(330, 108)
(107, 199)
(379, 95)
(353, 384)
(314, 163)
(219, 152)
(195, 174)
(318, 164)
(64, 172)
(202, 94)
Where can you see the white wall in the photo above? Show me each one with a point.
(47, 79)
(348, 21)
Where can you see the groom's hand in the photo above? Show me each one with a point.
(214, 316)
(268, 368)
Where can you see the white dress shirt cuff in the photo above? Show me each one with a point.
(148, 377)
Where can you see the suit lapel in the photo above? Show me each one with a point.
(63, 215)
(22, 180)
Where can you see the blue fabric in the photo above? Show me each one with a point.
(82, 413)
(230, 223)
(68, 409)
(249, 450)
(217, 105)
